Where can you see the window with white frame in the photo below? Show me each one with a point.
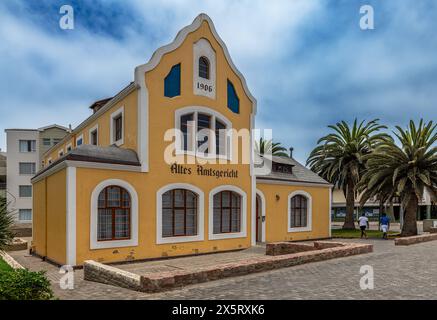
(27, 145)
(27, 168)
(227, 212)
(299, 211)
(60, 153)
(117, 127)
(113, 221)
(114, 215)
(69, 147)
(203, 132)
(94, 136)
(25, 191)
(25, 214)
(179, 213)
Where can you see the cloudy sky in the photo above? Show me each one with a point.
(307, 62)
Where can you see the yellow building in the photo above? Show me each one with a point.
(158, 170)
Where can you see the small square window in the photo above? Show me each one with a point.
(25, 191)
(93, 137)
(46, 141)
(25, 214)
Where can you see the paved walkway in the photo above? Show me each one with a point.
(193, 262)
(400, 273)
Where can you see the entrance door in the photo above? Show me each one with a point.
(259, 221)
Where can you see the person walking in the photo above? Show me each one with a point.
(385, 225)
(363, 221)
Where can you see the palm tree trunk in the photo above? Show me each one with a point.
(410, 223)
(350, 206)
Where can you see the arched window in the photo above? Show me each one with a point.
(114, 214)
(298, 211)
(227, 212)
(203, 67)
(179, 213)
(198, 128)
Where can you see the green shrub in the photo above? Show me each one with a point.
(22, 284)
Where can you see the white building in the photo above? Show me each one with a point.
(24, 149)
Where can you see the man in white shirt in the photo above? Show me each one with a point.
(364, 223)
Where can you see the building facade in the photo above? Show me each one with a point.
(166, 168)
(427, 209)
(24, 153)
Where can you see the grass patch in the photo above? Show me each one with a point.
(340, 233)
(4, 266)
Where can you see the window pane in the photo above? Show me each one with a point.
(114, 197)
(179, 198)
(226, 199)
(191, 199)
(25, 191)
(122, 223)
(167, 222)
(102, 197)
(25, 214)
(94, 137)
(179, 222)
(216, 220)
(46, 141)
(235, 220)
(226, 220)
(27, 168)
(125, 199)
(118, 124)
(191, 224)
(203, 123)
(203, 68)
(187, 125)
(220, 137)
(167, 199)
(104, 224)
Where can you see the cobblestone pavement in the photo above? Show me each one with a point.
(400, 273)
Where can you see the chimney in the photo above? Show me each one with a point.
(291, 152)
(69, 128)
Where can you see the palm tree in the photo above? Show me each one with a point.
(269, 147)
(407, 170)
(338, 158)
(6, 222)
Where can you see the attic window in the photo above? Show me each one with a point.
(172, 82)
(282, 168)
(233, 101)
(203, 67)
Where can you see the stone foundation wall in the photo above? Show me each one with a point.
(406, 241)
(162, 281)
(279, 248)
(98, 272)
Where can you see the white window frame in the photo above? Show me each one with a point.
(115, 114)
(133, 241)
(25, 185)
(90, 131)
(243, 217)
(31, 214)
(309, 226)
(49, 161)
(200, 214)
(26, 174)
(61, 151)
(78, 138)
(214, 115)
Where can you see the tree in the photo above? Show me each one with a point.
(269, 147)
(338, 158)
(406, 170)
(6, 222)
